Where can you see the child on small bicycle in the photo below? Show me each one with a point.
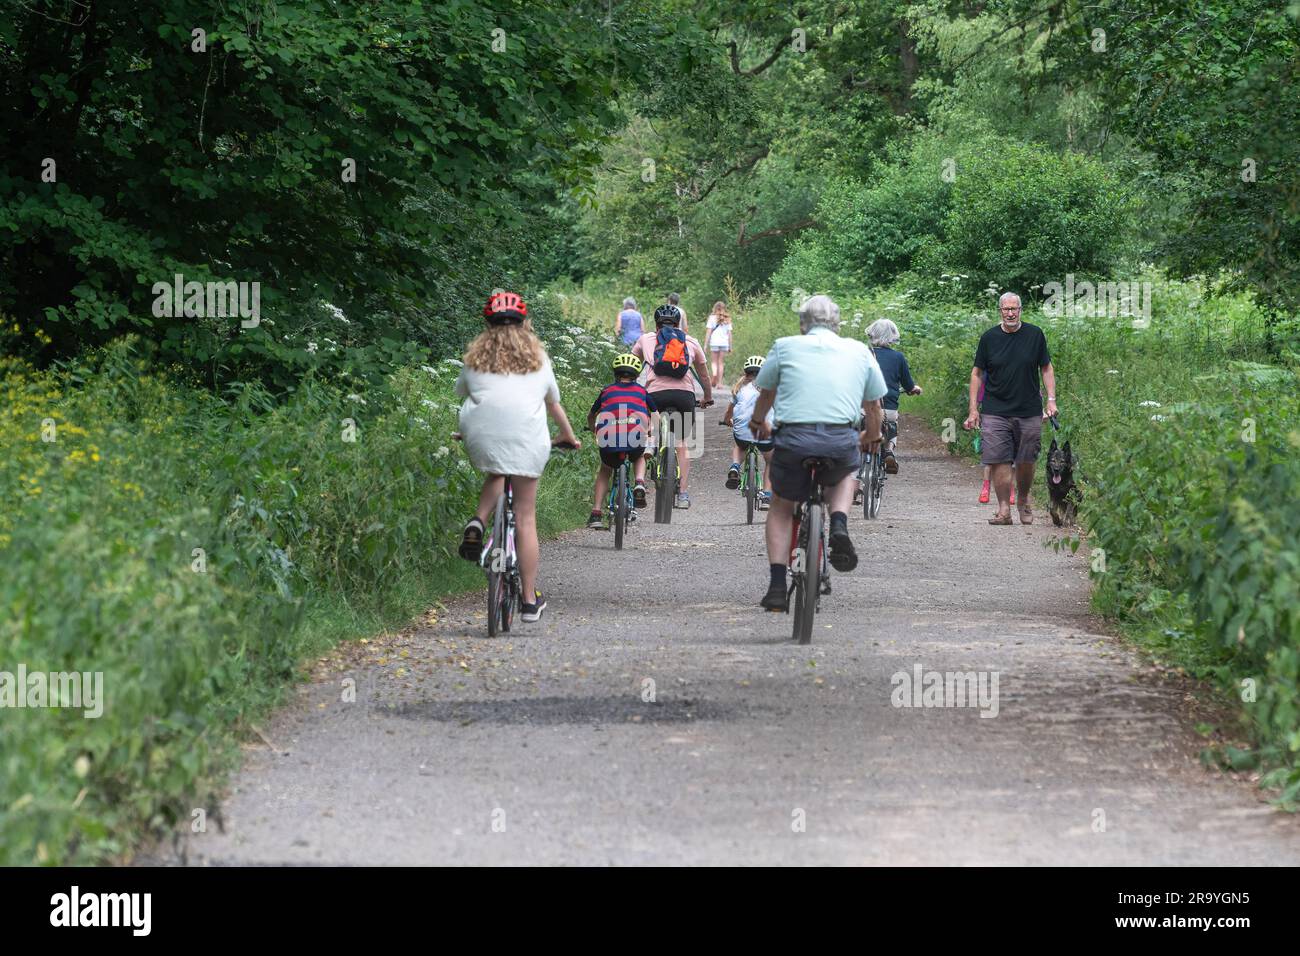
(509, 388)
(620, 417)
(744, 396)
(884, 335)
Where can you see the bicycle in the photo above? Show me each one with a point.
(809, 556)
(665, 472)
(501, 563)
(500, 560)
(619, 503)
(871, 474)
(751, 483)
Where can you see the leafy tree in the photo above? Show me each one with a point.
(140, 139)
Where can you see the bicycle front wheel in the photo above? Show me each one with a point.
(810, 543)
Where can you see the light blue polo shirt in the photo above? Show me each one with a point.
(821, 377)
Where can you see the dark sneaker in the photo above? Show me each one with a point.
(776, 598)
(843, 557)
(595, 521)
(471, 542)
(531, 613)
(891, 463)
(733, 477)
(638, 497)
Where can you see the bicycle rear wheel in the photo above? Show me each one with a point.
(620, 505)
(810, 541)
(498, 586)
(751, 487)
(864, 482)
(877, 485)
(511, 601)
(667, 491)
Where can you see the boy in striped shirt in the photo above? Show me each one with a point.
(620, 417)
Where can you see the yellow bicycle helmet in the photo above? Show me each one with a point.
(753, 362)
(627, 362)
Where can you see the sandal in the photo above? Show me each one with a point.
(1026, 514)
(471, 542)
(1000, 519)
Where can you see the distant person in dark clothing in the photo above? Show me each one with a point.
(1008, 361)
(898, 378)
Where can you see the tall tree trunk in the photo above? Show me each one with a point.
(909, 66)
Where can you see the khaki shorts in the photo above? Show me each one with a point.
(1005, 441)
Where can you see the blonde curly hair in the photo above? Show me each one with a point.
(506, 350)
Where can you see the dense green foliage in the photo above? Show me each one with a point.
(910, 158)
(227, 157)
(1005, 215)
(99, 572)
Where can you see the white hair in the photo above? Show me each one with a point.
(629, 303)
(882, 332)
(1008, 295)
(819, 311)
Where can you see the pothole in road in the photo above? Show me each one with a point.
(549, 711)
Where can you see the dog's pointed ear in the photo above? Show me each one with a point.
(1067, 449)
(1053, 448)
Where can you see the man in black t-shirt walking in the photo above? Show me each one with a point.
(1012, 354)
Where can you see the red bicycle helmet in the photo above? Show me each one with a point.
(504, 308)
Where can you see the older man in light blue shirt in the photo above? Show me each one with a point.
(826, 391)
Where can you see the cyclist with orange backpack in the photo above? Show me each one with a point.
(670, 354)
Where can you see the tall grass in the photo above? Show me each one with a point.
(194, 549)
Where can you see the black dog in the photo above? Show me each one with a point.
(1061, 488)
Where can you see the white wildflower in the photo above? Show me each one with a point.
(311, 348)
(1149, 405)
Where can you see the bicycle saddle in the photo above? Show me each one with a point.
(820, 464)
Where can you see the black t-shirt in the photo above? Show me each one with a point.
(1012, 361)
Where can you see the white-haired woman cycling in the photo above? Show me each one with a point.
(884, 335)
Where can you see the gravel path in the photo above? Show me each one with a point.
(539, 747)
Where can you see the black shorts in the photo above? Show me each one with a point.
(794, 443)
(763, 446)
(613, 457)
(679, 406)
